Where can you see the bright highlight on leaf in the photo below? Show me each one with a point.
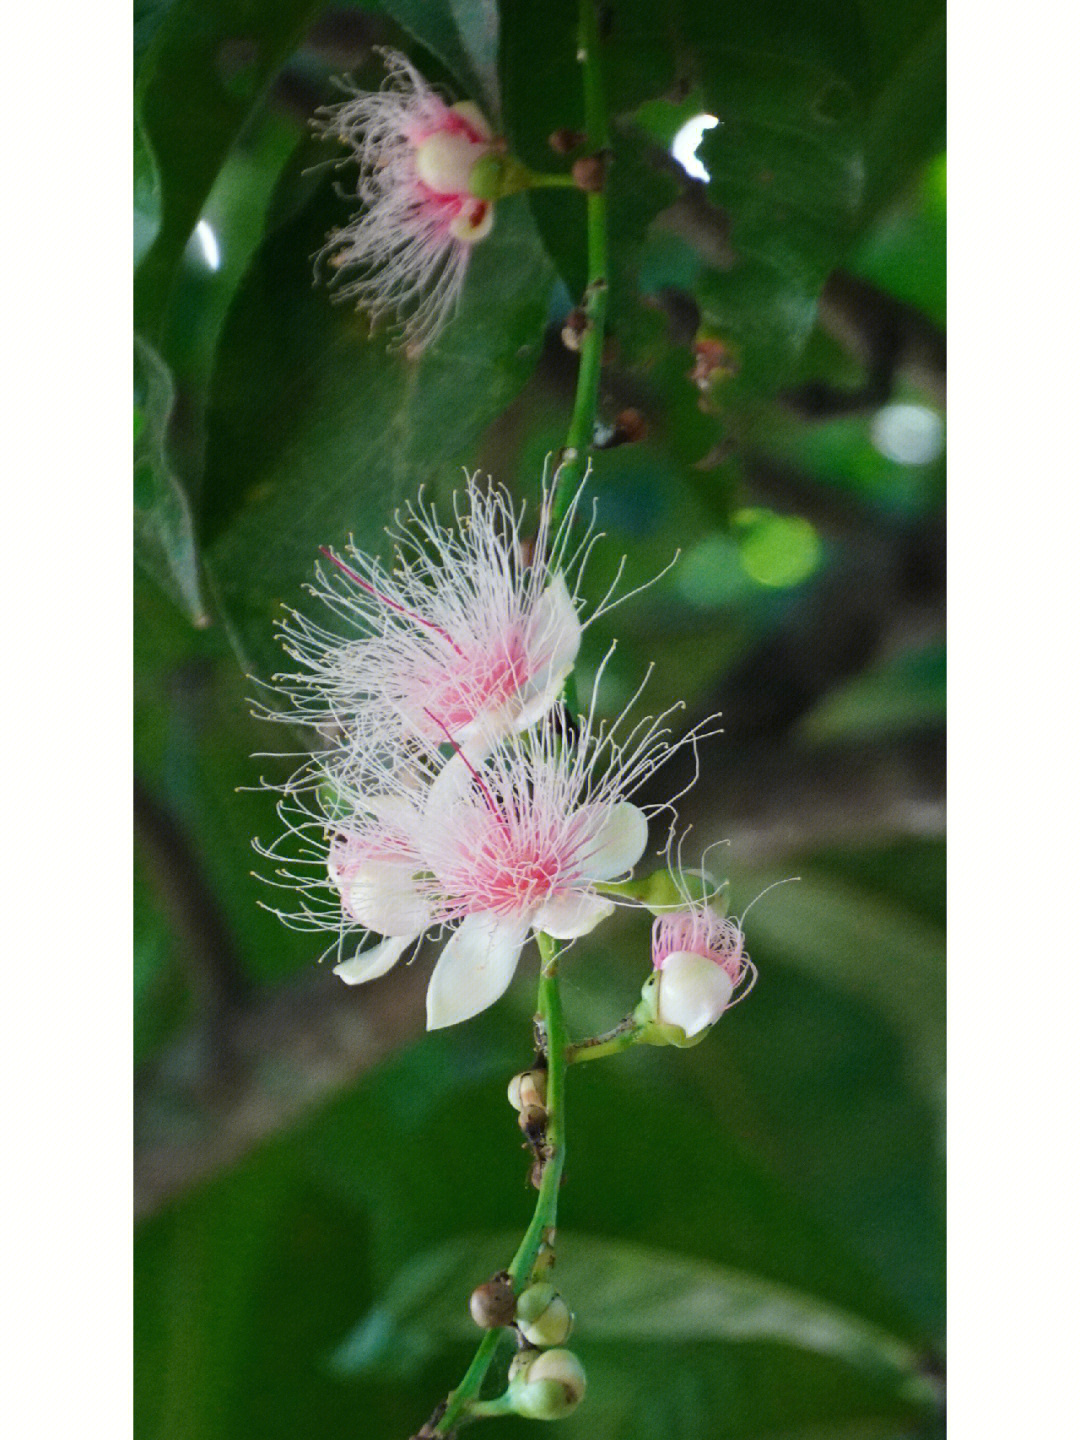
(685, 145)
(208, 243)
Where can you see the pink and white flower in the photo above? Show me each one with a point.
(700, 959)
(406, 253)
(524, 840)
(470, 636)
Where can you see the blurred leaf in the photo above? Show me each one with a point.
(463, 35)
(159, 996)
(619, 1292)
(903, 692)
(164, 528)
(904, 252)
(316, 432)
(195, 740)
(240, 1291)
(202, 75)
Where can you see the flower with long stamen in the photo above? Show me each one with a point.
(407, 251)
(469, 636)
(519, 843)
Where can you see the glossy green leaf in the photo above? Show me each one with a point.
(201, 77)
(625, 1292)
(315, 432)
(463, 35)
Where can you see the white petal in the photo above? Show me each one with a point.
(370, 964)
(475, 967)
(694, 991)
(536, 699)
(392, 810)
(452, 784)
(554, 629)
(382, 895)
(619, 845)
(568, 916)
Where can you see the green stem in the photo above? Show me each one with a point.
(462, 1402)
(550, 180)
(549, 1003)
(583, 420)
(612, 1042)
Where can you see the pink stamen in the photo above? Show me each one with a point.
(477, 777)
(386, 600)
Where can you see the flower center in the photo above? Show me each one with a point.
(484, 682)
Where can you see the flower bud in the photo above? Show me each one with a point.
(543, 1316)
(549, 1385)
(699, 962)
(533, 1125)
(590, 172)
(564, 141)
(693, 992)
(528, 1089)
(491, 1305)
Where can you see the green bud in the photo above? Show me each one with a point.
(549, 1385)
(494, 176)
(543, 1316)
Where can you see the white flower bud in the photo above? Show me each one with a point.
(693, 992)
(543, 1316)
(528, 1090)
(548, 1386)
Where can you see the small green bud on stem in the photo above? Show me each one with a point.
(543, 1316)
(548, 1385)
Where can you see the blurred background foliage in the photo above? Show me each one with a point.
(753, 1227)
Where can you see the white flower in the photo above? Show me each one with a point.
(406, 253)
(470, 635)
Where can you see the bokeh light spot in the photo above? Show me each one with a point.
(777, 550)
(908, 434)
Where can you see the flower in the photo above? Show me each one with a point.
(523, 840)
(468, 638)
(406, 253)
(516, 845)
(698, 964)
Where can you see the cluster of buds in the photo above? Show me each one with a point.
(545, 1381)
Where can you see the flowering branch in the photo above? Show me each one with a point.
(463, 1400)
(594, 306)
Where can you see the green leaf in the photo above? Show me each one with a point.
(315, 432)
(164, 528)
(203, 74)
(626, 1292)
(463, 35)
